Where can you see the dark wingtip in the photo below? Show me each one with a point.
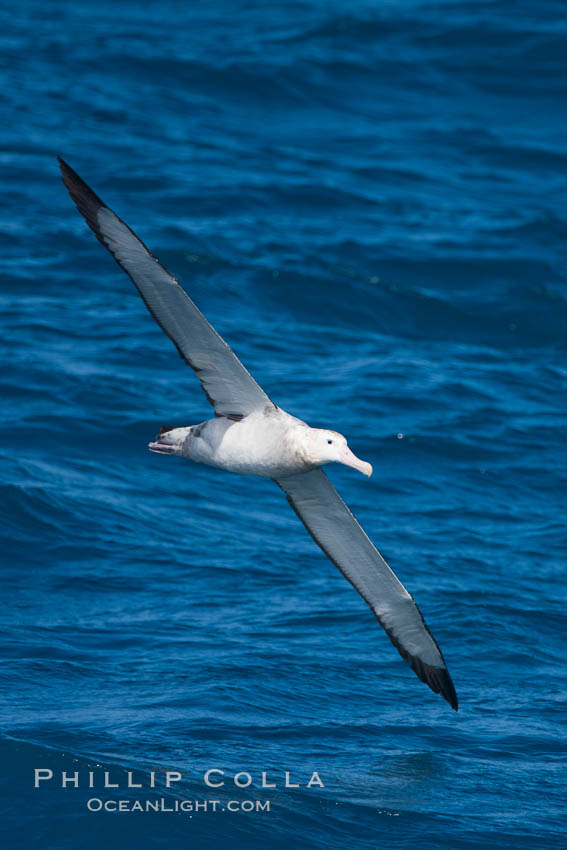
(86, 201)
(69, 175)
(437, 678)
(448, 690)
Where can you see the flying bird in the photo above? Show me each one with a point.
(251, 435)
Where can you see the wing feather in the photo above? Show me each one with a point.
(335, 529)
(229, 387)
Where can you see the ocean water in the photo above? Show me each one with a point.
(368, 202)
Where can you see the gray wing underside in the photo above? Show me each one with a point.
(335, 529)
(229, 387)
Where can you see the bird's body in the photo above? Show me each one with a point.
(251, 435)
(266, 443)
(269, 443)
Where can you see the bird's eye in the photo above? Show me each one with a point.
(329, 442)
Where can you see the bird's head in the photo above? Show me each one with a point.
(331, 447)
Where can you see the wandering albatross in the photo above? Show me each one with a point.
(253, 436)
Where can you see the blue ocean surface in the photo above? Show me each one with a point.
(368, 201)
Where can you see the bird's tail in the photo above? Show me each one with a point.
(170, 441)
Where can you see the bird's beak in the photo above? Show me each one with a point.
(350, 459)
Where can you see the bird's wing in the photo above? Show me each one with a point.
(334, 528)
(228, 386)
